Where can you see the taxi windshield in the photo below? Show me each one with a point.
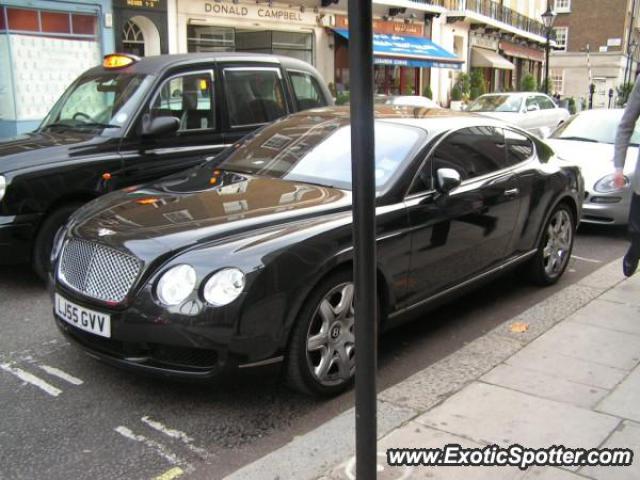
(101, 101)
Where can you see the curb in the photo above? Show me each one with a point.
(314, 454)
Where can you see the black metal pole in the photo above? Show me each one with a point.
(546, 62)
(364, 229)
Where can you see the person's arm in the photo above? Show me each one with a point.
(625, 130)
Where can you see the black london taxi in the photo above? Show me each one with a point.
(132, 120)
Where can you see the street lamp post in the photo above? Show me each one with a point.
(548, 18)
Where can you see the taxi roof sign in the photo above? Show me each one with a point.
(119, 60)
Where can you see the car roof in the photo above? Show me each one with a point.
(431, 120)
(159, 63)
(515, 94)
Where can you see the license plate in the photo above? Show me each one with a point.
(83, 318)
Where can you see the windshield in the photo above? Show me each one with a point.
(496, 103)
(598, 128)
(99, 101)
(317, 150)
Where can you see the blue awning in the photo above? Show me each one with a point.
(408, 51)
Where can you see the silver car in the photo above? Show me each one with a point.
(534, 112)
(587, 140)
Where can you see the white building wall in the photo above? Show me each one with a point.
(443, 79)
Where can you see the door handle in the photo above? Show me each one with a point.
(512, 192)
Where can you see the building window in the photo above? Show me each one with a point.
(209, 38)
(132, 39)
(562, 35)
(563, 6)
(557, 81)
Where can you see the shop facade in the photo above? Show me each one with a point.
(140, 27)
(404, 55)
(43, 47)
(526, 61)
(485, 56)
(297, 32)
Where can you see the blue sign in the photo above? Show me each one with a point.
(409, 51)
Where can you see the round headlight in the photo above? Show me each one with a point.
(176, 284)
(223, 287)
(606, 184)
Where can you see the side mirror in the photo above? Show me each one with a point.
(160, 126)
(533, 108)
(447, 179)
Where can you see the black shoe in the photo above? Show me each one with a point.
(630, 263)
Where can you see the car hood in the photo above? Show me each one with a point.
(38, 148)
(199, 206)
(595, 160)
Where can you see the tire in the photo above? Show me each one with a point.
(556, 245)
(320, 358)
(41, 258)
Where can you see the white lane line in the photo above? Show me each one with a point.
(32, 379)
(152, 444)
(588, 260)
(177, 434)
(56, 372)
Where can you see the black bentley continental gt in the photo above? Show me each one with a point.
(246, 259)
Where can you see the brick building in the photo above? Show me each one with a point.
(597, 42)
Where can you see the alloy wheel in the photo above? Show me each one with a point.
(558, 246)
(330, 341)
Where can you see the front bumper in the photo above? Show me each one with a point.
(17, 234)
(148, 339)
(596, 212)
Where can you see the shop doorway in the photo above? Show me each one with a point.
(140, 37)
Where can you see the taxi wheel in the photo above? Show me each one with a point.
(41, 260)
(321, 354)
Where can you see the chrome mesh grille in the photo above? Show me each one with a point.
(98, 271)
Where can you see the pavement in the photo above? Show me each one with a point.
(564, 372)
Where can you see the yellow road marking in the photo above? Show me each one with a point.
(175, 472)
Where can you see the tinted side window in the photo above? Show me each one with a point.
(532, 102)
(188, 98)
(473, 152)
(545, 103)
(519, 147)
(254, 95)
(306, 90)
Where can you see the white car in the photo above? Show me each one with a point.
(407, 101)
(534, 112)
(587, 140)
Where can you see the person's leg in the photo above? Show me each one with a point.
(630, 263)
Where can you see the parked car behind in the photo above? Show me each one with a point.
(587, 140)
(134, 120)
(248, 258)
(535, 112)
(406, 101)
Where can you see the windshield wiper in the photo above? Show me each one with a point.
(582, 139)
(56, 125)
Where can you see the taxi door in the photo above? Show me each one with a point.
(190, 98)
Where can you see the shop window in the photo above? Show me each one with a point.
(25, 20)
(53, 22)
(188, 98)
(306, 90)
(203, 38)
(84, 24)
(254, 95)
